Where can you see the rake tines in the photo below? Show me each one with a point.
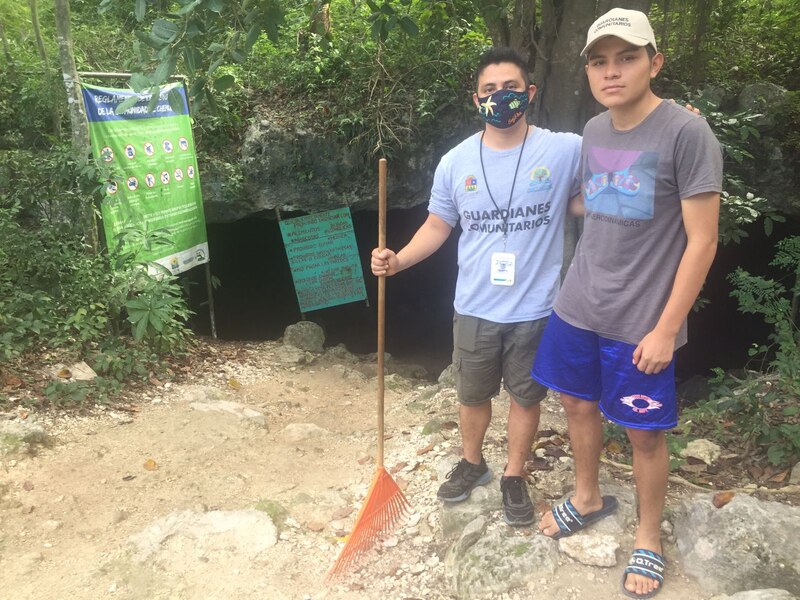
(383, 507)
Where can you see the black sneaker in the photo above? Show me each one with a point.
(462, 479)
(517, 507)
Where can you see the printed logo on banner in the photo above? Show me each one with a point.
(107, 154)
(149, 180)
(165, 177)
(111, 187)
(167, 145)
(190, 171)
(130, 151)
(183, 143)
(133, 183)
(149, 149)
(178, 174)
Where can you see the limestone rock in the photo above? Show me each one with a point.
(298, 432)
(794, 478)
(489, 562)
(233, 408)
(250, 531)
(448, 376)
(703, 450)
(305, 335)
(20, 437)
(728, 549)
(762, 97)
(598, 550)
(770, 594)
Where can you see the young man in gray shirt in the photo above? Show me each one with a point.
(652, 177)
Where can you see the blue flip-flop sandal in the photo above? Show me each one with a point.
(648, 564)
(570, 521)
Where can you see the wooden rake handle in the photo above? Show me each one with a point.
(381, 304)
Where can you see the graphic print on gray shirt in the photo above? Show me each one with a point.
(633, 240)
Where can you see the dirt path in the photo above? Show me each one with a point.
(68, 513)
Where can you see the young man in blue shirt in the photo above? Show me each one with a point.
(509, 188)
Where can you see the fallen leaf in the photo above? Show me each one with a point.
(780, 477)
(554, 451)
(364, 460)
(23, 414)
(449, 425)
(128, 477)
(64, 373)
(342, 513)
(11, 381)
(614, 447)
(424, 450)
(545, 433)
(693, 468)
(538, 464)
(755, 472)
(398, 467)
(154, 381)
(315, 526)
(402, 484)
(27, 485)
(233, 383)
(150, 465)
(722, 498)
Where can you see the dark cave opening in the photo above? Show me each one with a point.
(256, 299)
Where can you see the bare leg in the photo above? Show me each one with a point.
(522, 425)
(474, 423)
(650, 470)
(586, 439)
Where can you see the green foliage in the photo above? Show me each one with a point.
(741, 207)
(744, 40)
(200, 36)
(763, 407)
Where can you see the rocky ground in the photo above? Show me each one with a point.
(242, 480)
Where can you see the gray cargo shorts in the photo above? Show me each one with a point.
(486, 353)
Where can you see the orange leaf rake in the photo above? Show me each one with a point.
(385, 503)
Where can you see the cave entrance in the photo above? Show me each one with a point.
(256, 299)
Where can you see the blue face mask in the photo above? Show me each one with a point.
(503, 108)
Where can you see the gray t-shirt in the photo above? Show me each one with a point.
(633, 240)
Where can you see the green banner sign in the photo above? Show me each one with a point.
(324, 259)
(153, 179)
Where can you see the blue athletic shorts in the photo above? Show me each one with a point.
(580, 363)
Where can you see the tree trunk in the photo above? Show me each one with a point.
(48, 75)
(493, 13)
(521, 31)
(701, 22)
(6, 49)
(77, 113)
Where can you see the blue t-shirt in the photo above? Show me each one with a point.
(533, 221)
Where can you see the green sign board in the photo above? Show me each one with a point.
(153, 180)
(324, 259)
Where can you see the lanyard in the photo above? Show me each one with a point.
(513, 183)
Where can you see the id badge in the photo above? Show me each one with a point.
(503, 268)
